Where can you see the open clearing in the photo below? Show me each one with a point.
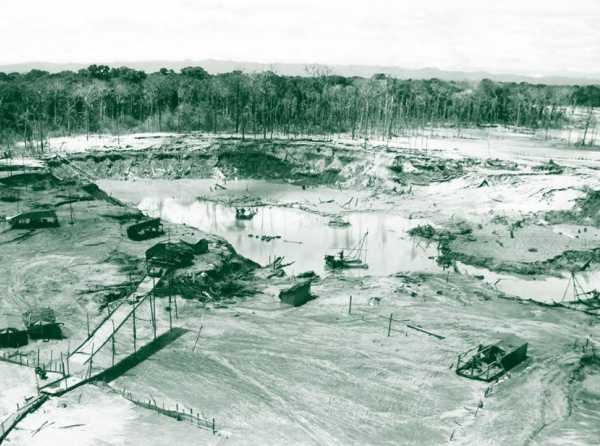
(507, 228)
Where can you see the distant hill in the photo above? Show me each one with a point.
(297, 69)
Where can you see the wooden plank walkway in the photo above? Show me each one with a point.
(106, 330)
(81, 366)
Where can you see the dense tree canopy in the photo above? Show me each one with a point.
(99, 99)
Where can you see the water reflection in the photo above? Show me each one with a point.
(545, 289)
(305, 237)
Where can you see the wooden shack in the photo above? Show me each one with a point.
(12, 338)
(491, 361)
(34, 219)
(168, 255)
(41, 324)
(297, 295)
(145, 230)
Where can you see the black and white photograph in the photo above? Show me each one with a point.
(300, 223)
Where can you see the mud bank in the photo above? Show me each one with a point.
(538, 244)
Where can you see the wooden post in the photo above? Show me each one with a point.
(176, 313)
(213, 427)
(38, 357)
(350, 305)
(64, 372)
(390, 325)
(71, 221)
(113, 342)
(197, 338)
(153, 310)
(134, 333)
(170, 315)
(91, 359)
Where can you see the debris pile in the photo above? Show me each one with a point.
(425, 170)
(550, 167)
(265, 238)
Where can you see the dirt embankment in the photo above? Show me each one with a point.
(296, 161)
(520, 246)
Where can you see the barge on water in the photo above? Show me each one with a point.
(356, 257)
(244, 213)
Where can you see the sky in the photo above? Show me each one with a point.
(535, 37)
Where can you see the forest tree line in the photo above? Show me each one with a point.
(37, 104)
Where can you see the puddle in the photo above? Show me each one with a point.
(305, 237)
(546, 289)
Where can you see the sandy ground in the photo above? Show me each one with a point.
(316, 375)
(18, 385)
(92, 416)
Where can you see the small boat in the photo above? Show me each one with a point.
(244, 213)
(356, 259)
(338, 222)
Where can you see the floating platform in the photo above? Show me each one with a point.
(337, 262)
(244, 214)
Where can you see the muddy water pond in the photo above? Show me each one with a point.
(304, 237)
